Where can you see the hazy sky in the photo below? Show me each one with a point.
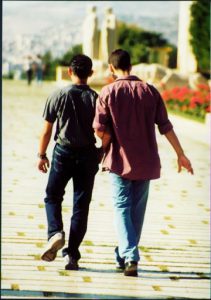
(33, 16)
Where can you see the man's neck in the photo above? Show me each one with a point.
(78, 81)
(120, 73)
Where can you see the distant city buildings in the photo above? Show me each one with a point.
(57, 40)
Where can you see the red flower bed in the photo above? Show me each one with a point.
(188, 101)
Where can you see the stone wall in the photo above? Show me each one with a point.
(165, 78)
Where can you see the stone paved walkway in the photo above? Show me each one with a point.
(175, 246)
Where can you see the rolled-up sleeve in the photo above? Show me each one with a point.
(161, 117)
(102, 113)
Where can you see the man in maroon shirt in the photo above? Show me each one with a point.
(126, 113)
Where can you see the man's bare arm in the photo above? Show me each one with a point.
(182, 160)
(45, 137)
(105, 136)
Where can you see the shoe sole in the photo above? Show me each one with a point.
(131, 273)
(50, 254)
(67, 267)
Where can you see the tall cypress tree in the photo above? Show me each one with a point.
(200, 34)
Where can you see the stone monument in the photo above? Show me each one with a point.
(90, 34)
(108, 38)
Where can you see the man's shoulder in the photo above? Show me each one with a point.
(54, 94)
(152, 89)
(66, 89)
(61, 90)
(73, 88)
(93, 92)
(108, 87)
(58, 94)
(118, 83)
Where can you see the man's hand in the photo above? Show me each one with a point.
(43, 165)
(184, 162)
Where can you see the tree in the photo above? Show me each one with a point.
(200, 34)
(172, 63)
(65, 60)
(138, 41)
(50, 66)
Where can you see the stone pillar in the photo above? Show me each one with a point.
(186, 62)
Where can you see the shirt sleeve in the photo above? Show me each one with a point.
(161, 116)
(50, 112)
(102, 113)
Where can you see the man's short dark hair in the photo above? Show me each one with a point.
(120, 59)
(81, 65)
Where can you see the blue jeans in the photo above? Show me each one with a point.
(81, 165)
(39, 75)
(129, 200)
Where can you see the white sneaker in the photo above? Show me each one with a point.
(55, 243)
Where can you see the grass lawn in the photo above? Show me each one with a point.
(186, 116)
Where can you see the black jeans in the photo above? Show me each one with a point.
(81, 165)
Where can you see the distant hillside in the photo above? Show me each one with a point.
(55, 26)
(167, 26)
(34, 17)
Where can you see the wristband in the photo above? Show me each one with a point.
(42, 156)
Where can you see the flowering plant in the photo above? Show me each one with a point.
(188, 101)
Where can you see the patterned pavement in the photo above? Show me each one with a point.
(175, 245)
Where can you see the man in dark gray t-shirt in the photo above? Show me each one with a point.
(73, 107)
(75, 156)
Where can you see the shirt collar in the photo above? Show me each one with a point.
(80, 86)
(128, 77)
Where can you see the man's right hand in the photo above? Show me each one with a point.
(43, 165)
(184, 162)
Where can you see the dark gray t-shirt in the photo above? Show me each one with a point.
(74, 108)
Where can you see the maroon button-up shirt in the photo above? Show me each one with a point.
(131, 108)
